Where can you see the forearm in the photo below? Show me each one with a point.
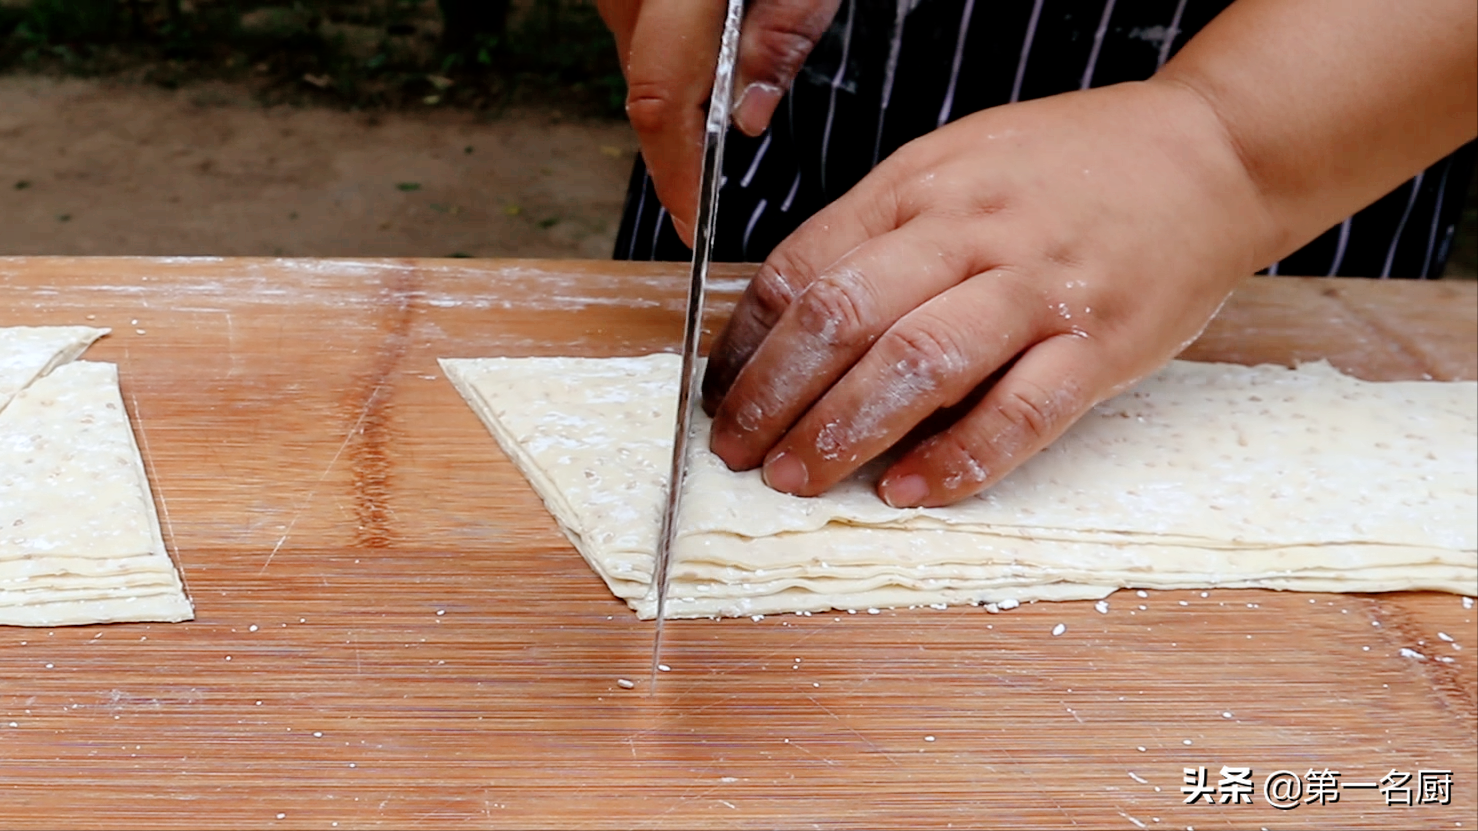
(1329, 104)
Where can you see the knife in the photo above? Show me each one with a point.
(713, 157)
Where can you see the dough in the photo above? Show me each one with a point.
(79, 538)
(28, 352)
(1203, 475)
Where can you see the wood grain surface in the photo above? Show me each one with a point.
(392, 633)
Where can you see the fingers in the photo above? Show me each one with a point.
(620, 17)
(862, 214)
(1050, 387)
(776, 38)
(932, 358)
(826, 329)
(669, 68)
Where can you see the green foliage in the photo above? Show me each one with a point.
(69, 21)
(567, 44)
(370, 53)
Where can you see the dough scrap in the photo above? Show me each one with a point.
(79, 538)
(1203, 475)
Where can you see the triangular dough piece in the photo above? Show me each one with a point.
(79, 537)
(1203, 475)
(29, 352)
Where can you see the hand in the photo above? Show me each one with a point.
(669, 52)
(1046, 254)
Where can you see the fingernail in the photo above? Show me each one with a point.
(726, 446)
(755, 105)
(683, 230)
(906, 491)
(786, 473)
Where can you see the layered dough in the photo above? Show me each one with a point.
(28, 352)
(79, 537)
(1203, 475)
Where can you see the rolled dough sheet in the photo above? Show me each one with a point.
(79, 537)
(1203, 475)
(28, 352)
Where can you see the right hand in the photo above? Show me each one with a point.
(669, 52)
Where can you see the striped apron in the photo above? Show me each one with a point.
(888, 71)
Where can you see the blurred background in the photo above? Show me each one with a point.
(315, 128)
(483, 128)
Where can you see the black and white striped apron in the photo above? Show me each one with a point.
(888, 71)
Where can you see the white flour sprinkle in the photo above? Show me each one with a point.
(1009, 604)
(664, 668)
(1059, 629)
(1412, 653)
(1142, 593)
(1444, 636)
(1140, 779)
(1101, 607)
(1467, 602)
(625, 683)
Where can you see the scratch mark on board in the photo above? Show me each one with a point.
(850, 729)
(363, 413)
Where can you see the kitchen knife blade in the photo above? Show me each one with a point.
(716, 126)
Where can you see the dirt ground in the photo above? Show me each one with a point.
(94, 167)
(109, 167)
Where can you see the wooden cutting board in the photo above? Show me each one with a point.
(392, 632)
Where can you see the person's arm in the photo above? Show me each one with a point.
(1330, 104)
(1023, 263)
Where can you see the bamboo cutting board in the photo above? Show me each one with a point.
(392, 633)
